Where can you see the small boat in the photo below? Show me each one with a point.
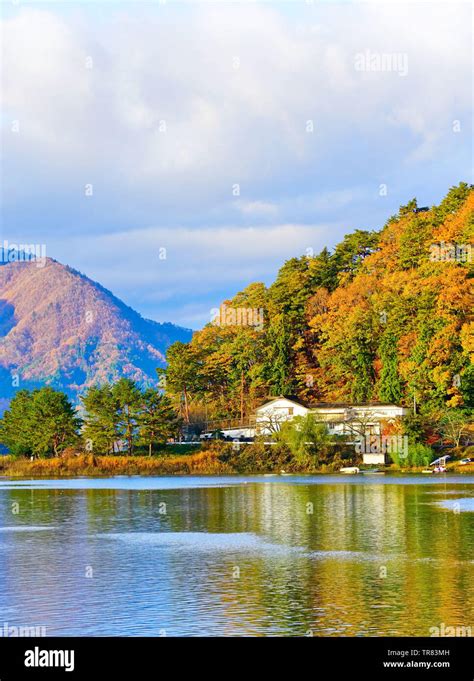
(428, 472)
(349, 470)
(439, 465)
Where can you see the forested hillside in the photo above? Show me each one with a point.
(387, 315)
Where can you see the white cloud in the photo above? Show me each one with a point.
(192, 273)
(209, 256)
(234, 86)
(262, 208)
(182, 102)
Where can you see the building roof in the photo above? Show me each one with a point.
(290, 398)
(348, 405)
(327, 405)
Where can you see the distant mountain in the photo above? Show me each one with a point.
(60, 328)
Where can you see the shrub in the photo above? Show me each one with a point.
(418, 455)
(307, 440)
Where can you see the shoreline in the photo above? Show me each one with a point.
(205, 463)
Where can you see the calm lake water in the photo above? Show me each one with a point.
(332, 555)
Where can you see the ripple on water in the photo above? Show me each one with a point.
(26, 528)
(202, 541)
(235, 542)
(445, 492)
(177, 482)
(465, 504)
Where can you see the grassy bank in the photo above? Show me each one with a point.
(203, 463)
(217, 459)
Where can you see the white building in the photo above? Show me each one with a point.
(355, 422)
(341, 417)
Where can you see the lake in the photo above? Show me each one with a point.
(233, 556)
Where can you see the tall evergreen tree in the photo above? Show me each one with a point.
(390, 388)
(128, 397)
(279, 365)
(101, 422)
(157, 420)
(181, 373)
(40, 423)
(16, 426)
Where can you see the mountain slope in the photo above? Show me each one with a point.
(61, 328)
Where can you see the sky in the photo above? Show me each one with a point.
(177, 151)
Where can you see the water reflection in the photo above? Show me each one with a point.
(247, 558)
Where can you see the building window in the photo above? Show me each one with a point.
(290, 411)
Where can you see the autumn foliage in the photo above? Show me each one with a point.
(386, 316)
